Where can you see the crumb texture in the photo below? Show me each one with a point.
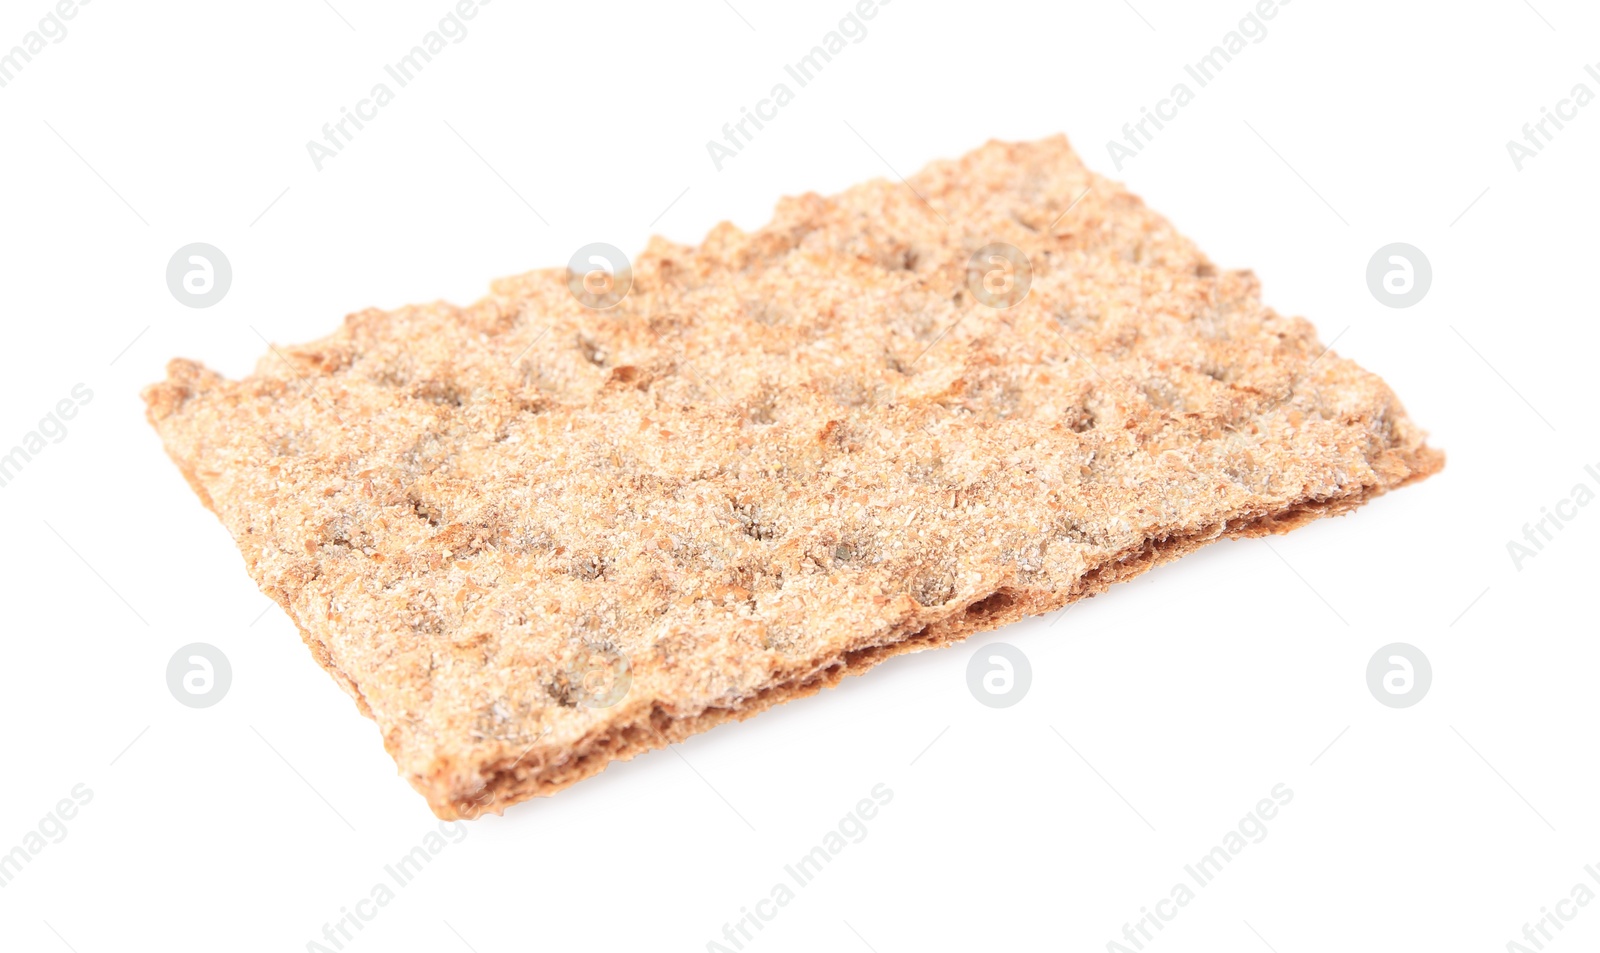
(787, 455)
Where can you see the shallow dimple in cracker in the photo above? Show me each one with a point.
(787, 455)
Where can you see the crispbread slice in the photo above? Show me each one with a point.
(530, 538)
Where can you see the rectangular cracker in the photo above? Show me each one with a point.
(530, 538)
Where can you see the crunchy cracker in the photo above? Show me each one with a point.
(531, 538)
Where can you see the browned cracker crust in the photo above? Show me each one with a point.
(786, 456)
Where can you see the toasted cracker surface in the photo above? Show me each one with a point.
(530, 538)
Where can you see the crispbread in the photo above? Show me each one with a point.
(530, 538)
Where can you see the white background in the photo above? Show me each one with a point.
(1191, 692)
